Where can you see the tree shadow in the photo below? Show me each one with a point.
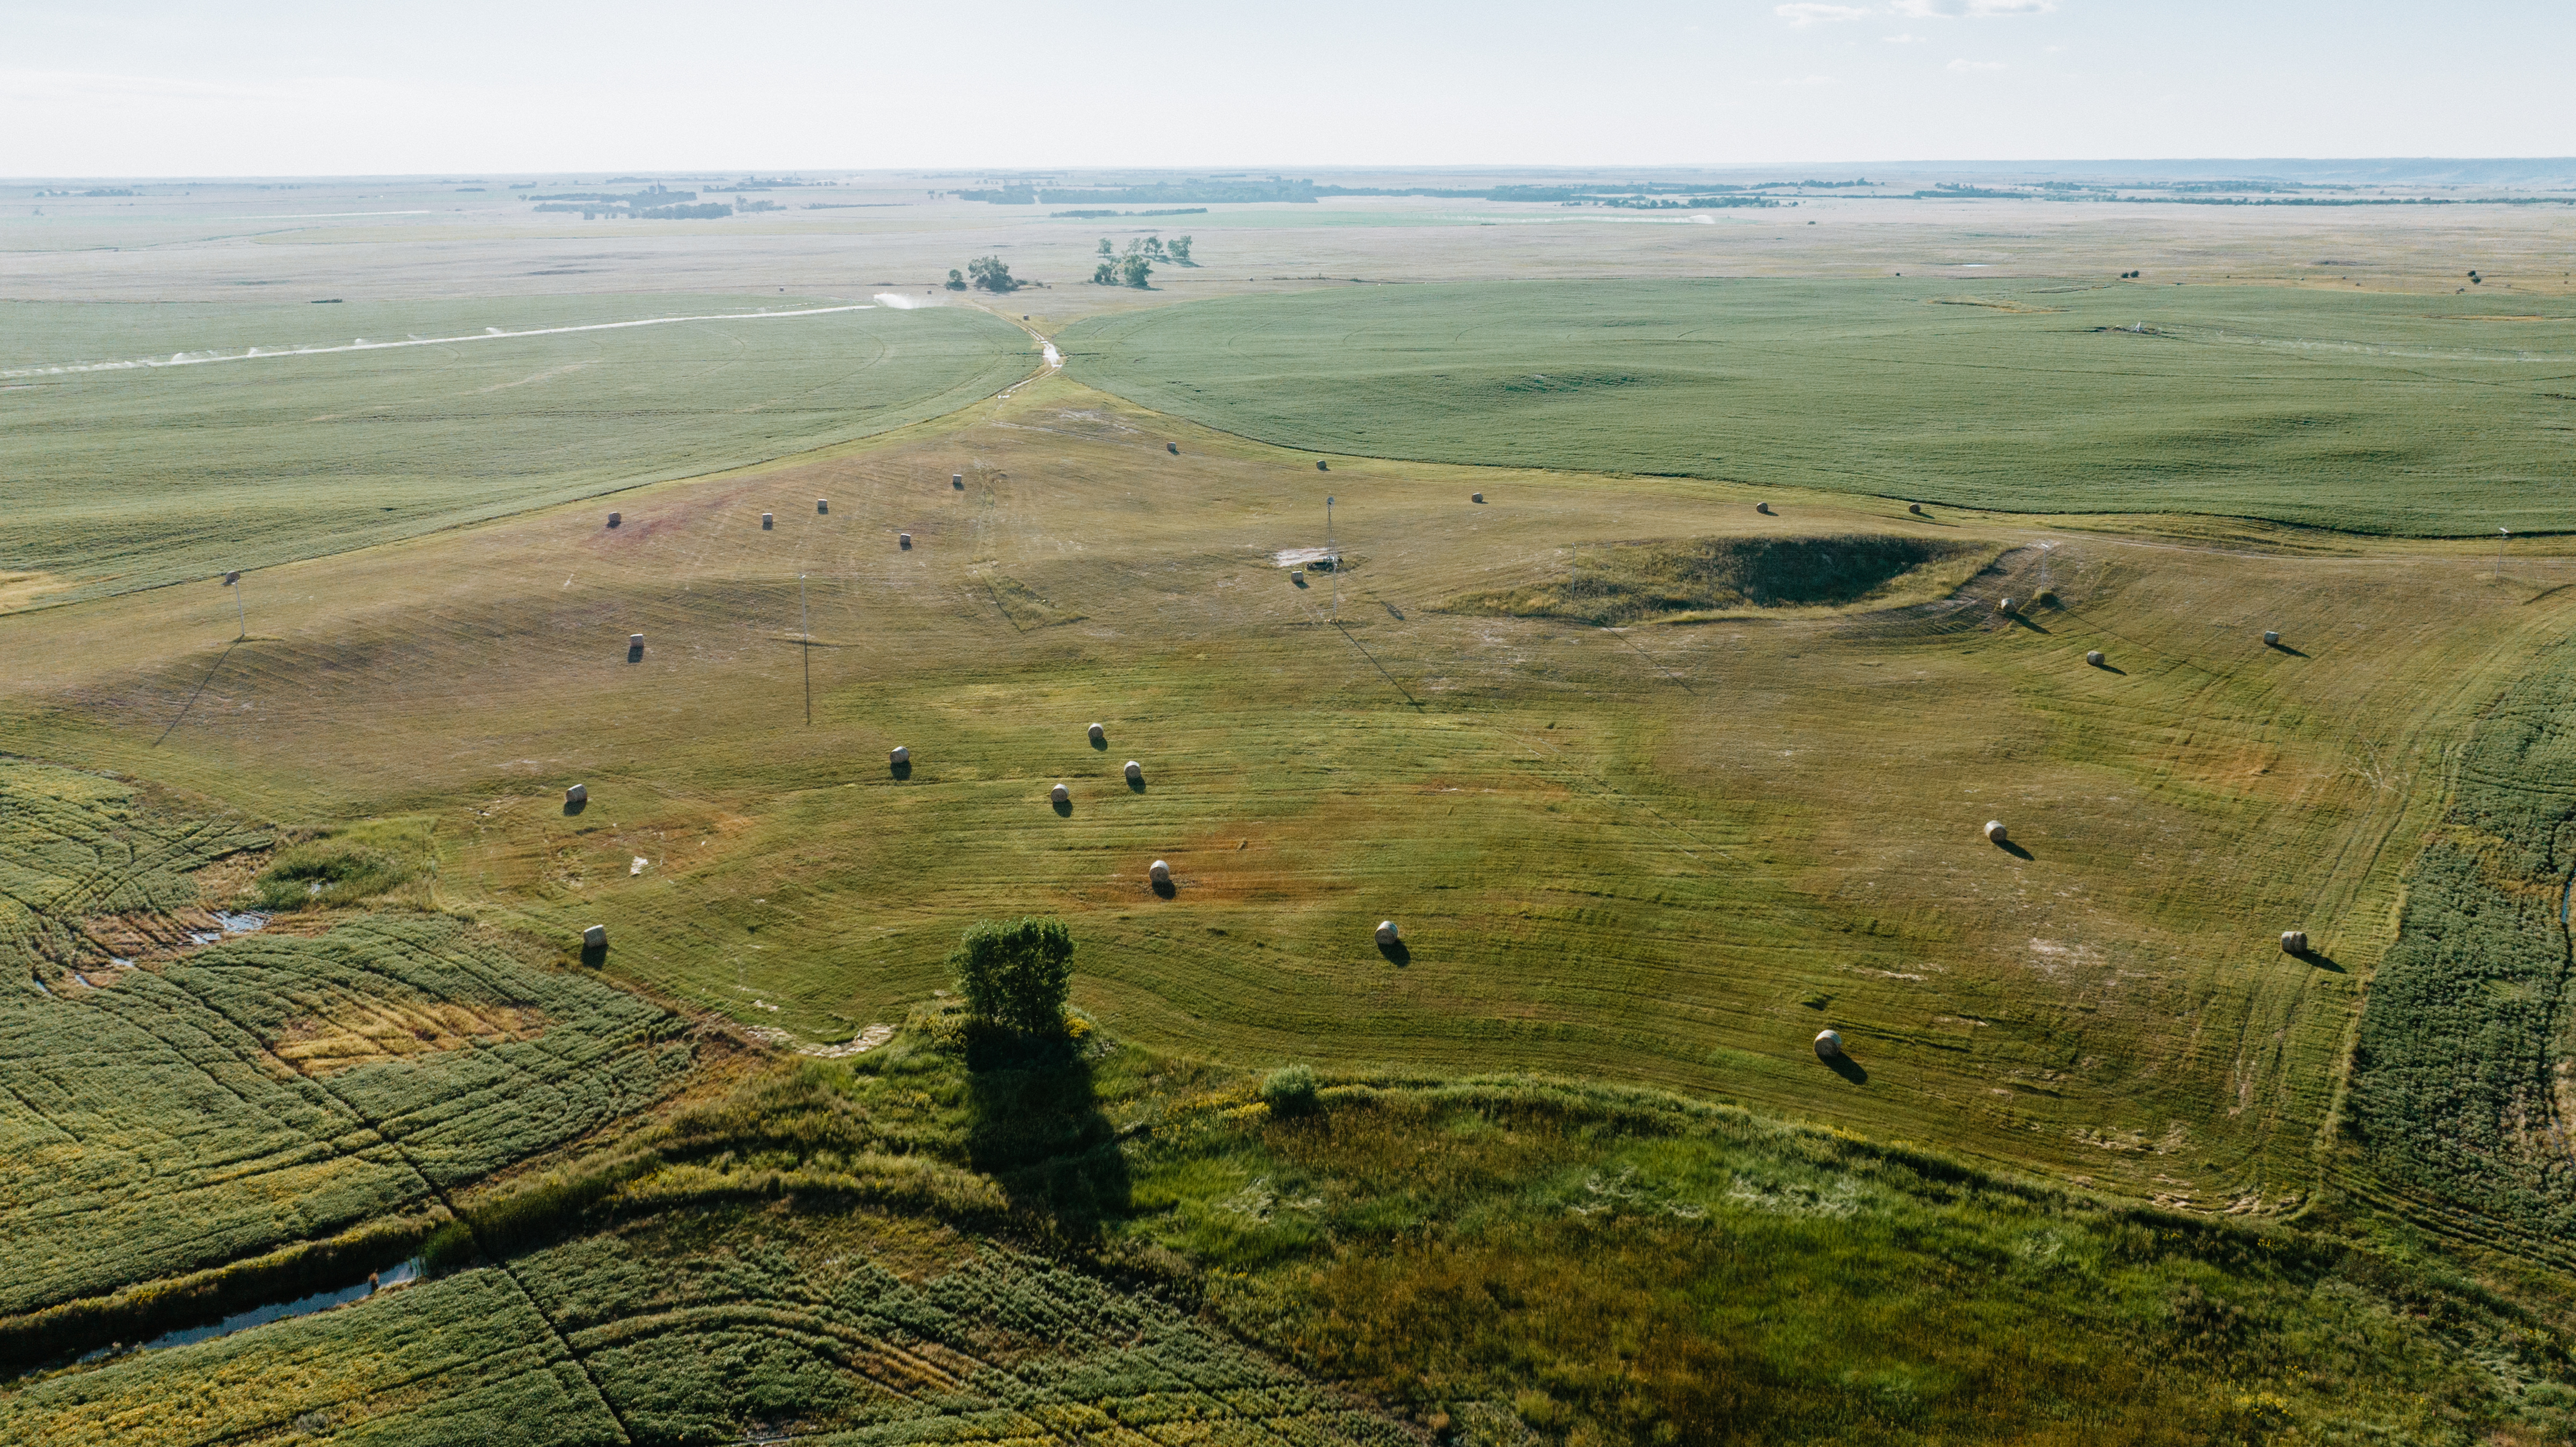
(1848, 1068)
(1397, 954)
(902, 770)
(1035, 1126)
(2015, 850)
(1063, 808)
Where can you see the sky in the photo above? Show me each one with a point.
(106, 88)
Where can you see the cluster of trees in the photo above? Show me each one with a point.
(985, 273)
(1135, 265)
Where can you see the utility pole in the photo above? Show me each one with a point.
(805, 625)
(232, 580)
(2501, 535)
(1335, 554)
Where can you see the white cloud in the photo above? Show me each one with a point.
(1975, 67)
(1806, 80)
(1807, 12)
(1904, 39)
(1970, 9)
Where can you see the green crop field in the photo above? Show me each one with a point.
(2405, 414)
(1657, 784)
(136, 476)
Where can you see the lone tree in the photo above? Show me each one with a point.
(1014, 974)
(955, 281)
(990, 274)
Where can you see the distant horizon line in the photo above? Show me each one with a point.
(453, 175)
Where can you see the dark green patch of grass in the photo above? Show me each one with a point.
(326, 872)
(1642, 581)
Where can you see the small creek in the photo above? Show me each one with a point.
(385, 1280)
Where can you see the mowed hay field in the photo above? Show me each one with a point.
(2425, 415)
(127, 476)
(1668, 854)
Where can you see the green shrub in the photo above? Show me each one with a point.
(1015, 974)
(326, 872)
(1289, 1089)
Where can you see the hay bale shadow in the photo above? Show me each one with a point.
(1063, 808)
(575, 806)
(1135, 786)
(2023, 619)
(634, 652)
(1163, 888)
(902, 770)
(2285, 648)
(1397, 953)
(2015, 850)
(2109, 667)
(594, 956)
(2320, 959)
(1848, 1068)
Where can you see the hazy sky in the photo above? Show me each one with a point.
(273, 87)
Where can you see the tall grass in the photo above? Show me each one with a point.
(2457, 1075)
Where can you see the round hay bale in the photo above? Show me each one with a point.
(1916, 508)
(1159, 872)
(903, 541)
(577, 794)
(1099, 735)
(1764, 508)
(616, 518)
(1475, 497)
(1173, 448)
(2271, 639)
(2094, 658)
(767, 522)
(595, 937)
(1320, 467)
(2005, 606)
(957, 480)
(822, 504)
(1060, 794)
(1995, 831)
(1829, 1044)
(900, 755)
(1386, 932)
(1135, 772)
(2294, 942)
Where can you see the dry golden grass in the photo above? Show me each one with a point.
(1669, 854)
